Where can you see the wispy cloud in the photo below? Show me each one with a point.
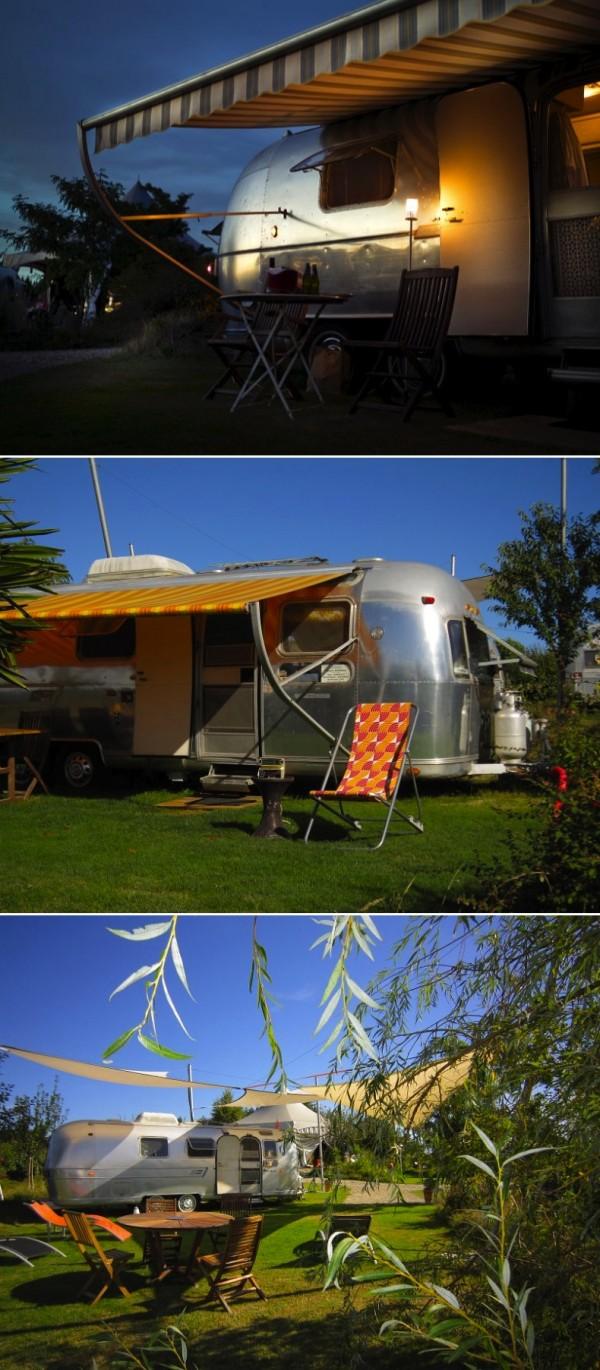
(297, 996)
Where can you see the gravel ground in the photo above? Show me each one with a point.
(359, 1193)
(25, 363)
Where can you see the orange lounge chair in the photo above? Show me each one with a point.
(379, 752)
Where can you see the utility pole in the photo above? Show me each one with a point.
(190, 1093)
(100, 503)
(563, 504)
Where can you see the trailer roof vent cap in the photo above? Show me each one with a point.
(156, 1118)
(120, 568)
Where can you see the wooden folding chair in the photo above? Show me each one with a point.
(168, 1241)
(230, 1270)
(105, 1265)
(407, 361)
(259, 348)
(237, 1205)
(379, 752)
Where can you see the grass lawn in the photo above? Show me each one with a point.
(44, 1324)
(95, 855)
(126, 404)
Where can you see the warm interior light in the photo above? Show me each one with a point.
(592, 89)
(411, 209)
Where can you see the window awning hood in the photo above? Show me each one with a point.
(210, 592)
(378, 55)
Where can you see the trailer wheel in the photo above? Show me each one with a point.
(187, 1203)
(78, 768)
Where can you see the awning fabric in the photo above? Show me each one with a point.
(379, 55)
(113, 1075)
(410, 1097)
(189, 596)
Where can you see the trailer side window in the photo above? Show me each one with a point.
(366, 178)
(105, 637)
(313, 628)
(201, 1146)
(458, 647)
(154, 1146)
(270, 1155)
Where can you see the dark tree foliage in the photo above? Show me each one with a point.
(90, 250)
(225, 1111)
(26, 1122)
(550, 590)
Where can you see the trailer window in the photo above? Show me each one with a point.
(458, 647)
(270, 1155)
(102, 637)
(201, 1146)
(366, 178)
(313, 628)
(154, 1146)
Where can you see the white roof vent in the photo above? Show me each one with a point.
(122, 568)
(156, 1118)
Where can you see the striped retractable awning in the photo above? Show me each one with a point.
(376, 56)
(189, 596)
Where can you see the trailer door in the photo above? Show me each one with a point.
(163, 692)
(228, 1164)
(485, 211)
(226, 698)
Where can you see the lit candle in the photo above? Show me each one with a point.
(411, 209)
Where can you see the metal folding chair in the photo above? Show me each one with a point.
(379, 753)
(408, 360)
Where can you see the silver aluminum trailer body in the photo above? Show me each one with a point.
(116, 1164)
(219, 690)
(497, 196)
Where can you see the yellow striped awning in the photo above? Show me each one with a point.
(377, 56)
(190, 595)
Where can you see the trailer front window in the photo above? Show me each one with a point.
(154, 1147)
(106, 637)
(201, 1146)
(458, 647)
(313, 628)
(367, 177)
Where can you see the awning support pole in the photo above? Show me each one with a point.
(274, 680)
(100, 193)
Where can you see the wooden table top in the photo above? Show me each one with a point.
(173, 1222)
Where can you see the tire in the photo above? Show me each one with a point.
(187, 1203)
(78, 769)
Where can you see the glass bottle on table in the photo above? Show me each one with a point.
(315, 284)
(307, 280)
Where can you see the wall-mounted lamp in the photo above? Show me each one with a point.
(411, 210)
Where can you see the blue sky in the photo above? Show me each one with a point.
(58, 973)
(67, 62)
(206, 511)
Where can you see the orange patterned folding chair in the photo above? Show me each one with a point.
(379, 753)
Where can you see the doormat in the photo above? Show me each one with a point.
(200, 803)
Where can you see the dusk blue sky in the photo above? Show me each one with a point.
(61, 64)
(206, 511)
(58, 973)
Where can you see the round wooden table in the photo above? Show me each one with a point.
(175, 1224)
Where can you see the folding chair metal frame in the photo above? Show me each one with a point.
(389, 804)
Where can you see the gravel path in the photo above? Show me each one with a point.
(358, 1193)
(24, 363)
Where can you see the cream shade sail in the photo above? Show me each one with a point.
(412, 1097)
(188, 595)
(409, 1097)
(378, 55)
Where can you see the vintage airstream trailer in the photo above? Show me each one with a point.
(147, 664)
(117, 1164)
(484, 115)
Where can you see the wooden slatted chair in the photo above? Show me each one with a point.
(170, 1242)
(105, 1265)
(407, 362)
(229, 1271)
(237, 1205)
(379, 753)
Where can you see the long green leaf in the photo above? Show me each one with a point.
(159, 1050)
(178, 964)
(327, 1012)
(131, 979)
(118, 1043)
(481, 1165)
(142, 934)
(360, 993)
